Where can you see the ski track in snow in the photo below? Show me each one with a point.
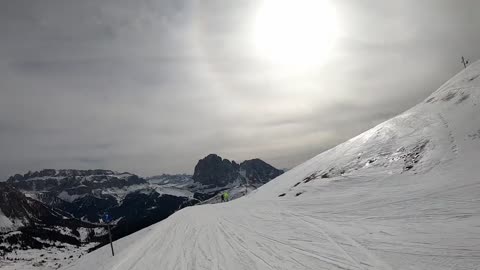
(373, 212)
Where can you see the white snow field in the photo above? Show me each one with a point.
(403, 195)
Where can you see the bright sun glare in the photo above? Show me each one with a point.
(295, 32)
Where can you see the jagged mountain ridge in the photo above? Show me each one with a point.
(213, 171)
(74, 182)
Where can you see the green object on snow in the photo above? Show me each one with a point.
(226, 196)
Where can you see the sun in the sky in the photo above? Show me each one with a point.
(297, 33)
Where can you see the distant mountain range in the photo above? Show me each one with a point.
(66, 206)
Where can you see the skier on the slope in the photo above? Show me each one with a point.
(225, 197)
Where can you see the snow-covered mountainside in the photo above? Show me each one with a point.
(50, 218)
(71, 185)
(27, 225)
(88, 194)
(403, 195)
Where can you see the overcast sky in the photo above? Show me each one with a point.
(152, 86)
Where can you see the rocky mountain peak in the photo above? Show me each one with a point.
(258, 171)
(215, 171)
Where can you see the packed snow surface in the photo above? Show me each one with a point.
(403, 195)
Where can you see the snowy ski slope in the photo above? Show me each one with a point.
(403, 195)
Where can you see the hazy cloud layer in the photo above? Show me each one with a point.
(152, 86)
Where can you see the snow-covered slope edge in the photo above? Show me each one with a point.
(403, 195)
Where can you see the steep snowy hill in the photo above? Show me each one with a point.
(403, 195)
